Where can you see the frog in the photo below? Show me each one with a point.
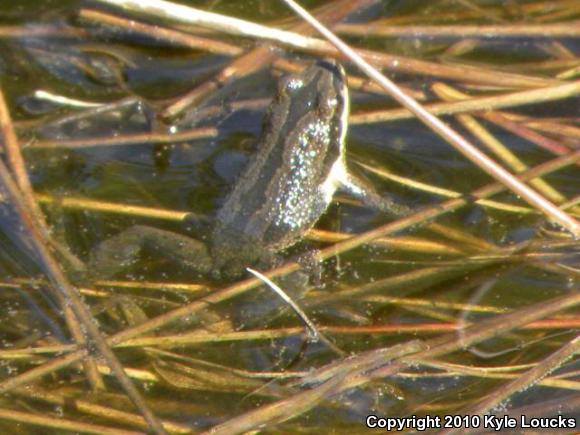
(288, 184)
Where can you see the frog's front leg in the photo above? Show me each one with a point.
(122, 250)
(370, 197)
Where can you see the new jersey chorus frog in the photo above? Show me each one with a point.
(282, 192)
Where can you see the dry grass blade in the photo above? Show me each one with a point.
(61, 424)
(63, 101)
(509, 373)
(570, 30)
(413, 244)
(41, 30)
(109, 207)
(478, 104)
(135, 139)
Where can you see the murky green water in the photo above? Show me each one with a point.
(362, 292)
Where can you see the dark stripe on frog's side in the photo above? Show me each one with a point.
(257, 209)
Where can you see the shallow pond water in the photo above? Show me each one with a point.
(213, 349)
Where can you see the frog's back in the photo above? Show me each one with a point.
(288, 184)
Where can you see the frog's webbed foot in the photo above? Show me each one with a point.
(122, 250)
(370, 197)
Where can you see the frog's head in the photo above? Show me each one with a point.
(319, 92)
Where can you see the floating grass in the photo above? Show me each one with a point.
(465, 306)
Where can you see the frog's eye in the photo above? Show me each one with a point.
(327, 106)
(332, 103)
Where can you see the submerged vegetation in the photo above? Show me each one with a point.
(112, 117)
